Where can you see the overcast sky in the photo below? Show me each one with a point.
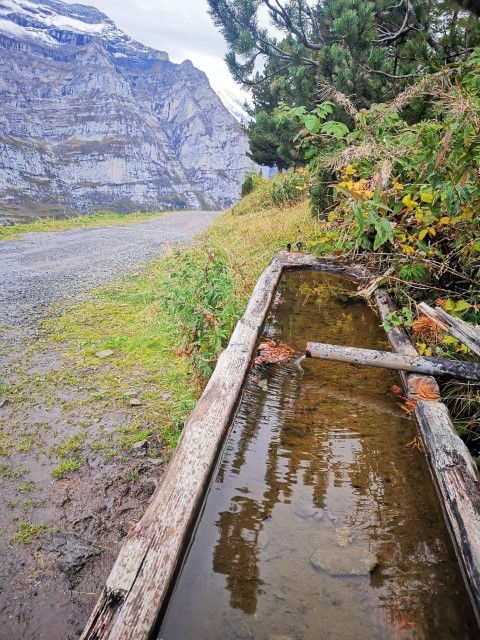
(182, 28)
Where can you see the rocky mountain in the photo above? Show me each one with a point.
(91, 119)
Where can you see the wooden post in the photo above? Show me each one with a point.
(398, 362)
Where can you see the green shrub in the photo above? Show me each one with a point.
(200, 298)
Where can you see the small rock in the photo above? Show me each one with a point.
(155, 461)
(105, 354)
(263, 384)
(141, 444)
(281, 638)
(307, 511)
(3, 402)
(109, 502)
(135, 402)
(166, 396)
(344, 560)
(130, 394)
(74, 551)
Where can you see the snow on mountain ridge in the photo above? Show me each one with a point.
(49, 20)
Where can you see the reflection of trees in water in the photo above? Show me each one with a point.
(236, 553)
(394, 507)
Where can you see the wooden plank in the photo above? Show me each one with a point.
(456, 480)
(431, 313)
(139, 581)
(395, 361)
(462, 515)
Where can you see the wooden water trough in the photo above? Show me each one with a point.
(139, 583)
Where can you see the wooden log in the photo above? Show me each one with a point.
(466, 333)
(398, 362)
(456, 480)
(430, 313)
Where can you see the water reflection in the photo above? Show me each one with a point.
(317, 471)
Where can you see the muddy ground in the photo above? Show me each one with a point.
(60, 536)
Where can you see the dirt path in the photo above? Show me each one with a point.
(59, 537)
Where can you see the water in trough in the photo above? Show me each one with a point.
(320, 521)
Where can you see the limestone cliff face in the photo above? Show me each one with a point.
(91, 119)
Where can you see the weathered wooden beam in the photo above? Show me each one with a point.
(139, 580)
(400, 343)
(396, 361)
(463, 515)
(456, 481)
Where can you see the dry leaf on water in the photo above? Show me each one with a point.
(271, 353)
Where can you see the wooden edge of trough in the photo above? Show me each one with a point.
(138, 584)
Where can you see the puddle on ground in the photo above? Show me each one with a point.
(320, 521)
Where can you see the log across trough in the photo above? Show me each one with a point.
(139, 582)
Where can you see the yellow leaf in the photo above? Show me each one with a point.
(431, 231)
(408, 250)
(349, 170)
(368, 194)
(408, 202)
(398, 185)
(444, 220)
(422, 234)
(427, 196)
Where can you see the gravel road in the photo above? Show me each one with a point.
(42, 268)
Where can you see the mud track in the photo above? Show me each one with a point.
(49, 585)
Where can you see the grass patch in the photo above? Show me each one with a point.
(66, 466)
(26, 532)
(8, 473)
(26, 486)
(94, 220)
(71, 445)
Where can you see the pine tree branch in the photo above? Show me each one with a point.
(391, 76)
(299, 32)
(405, 28)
